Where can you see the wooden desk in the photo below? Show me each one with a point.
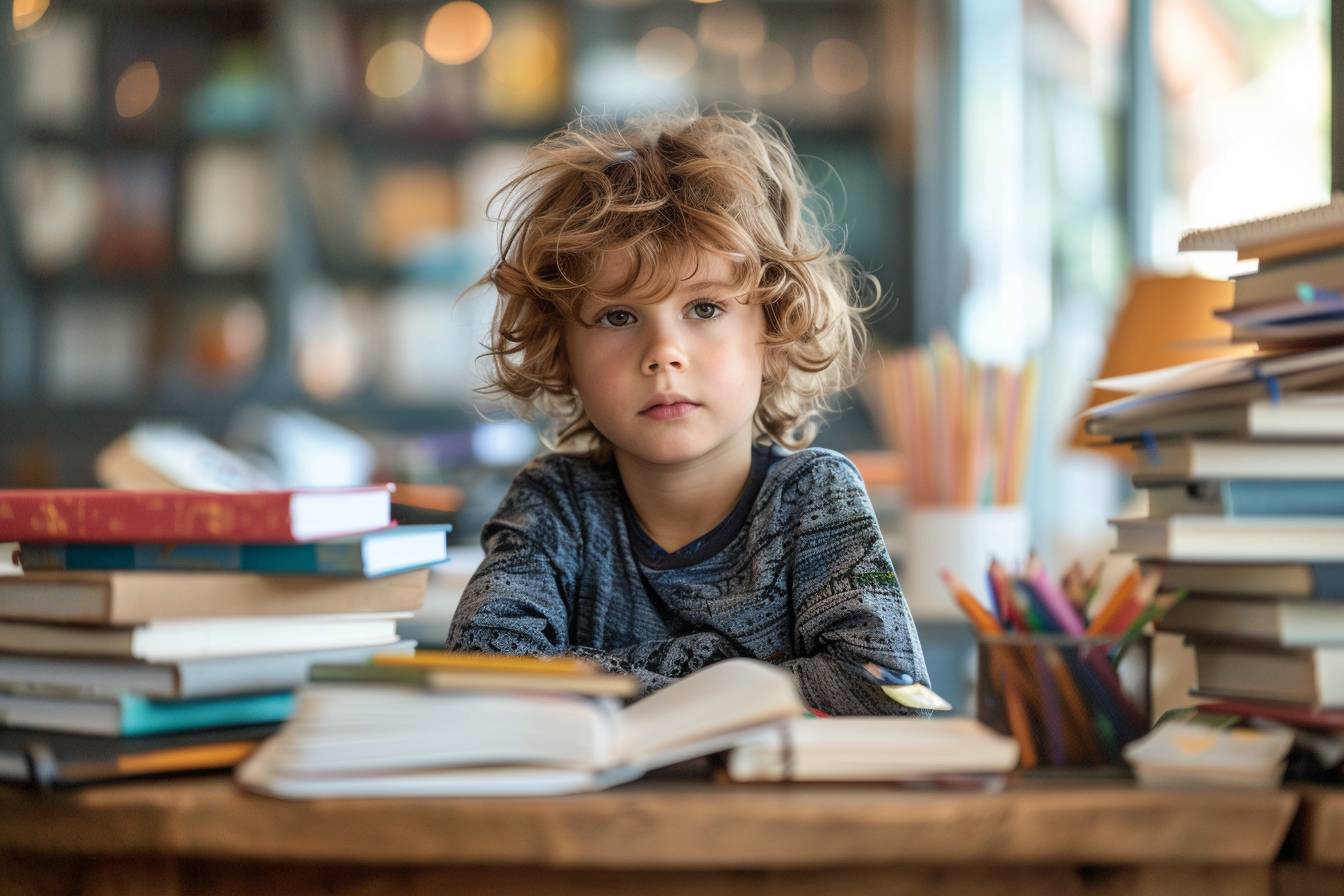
(203, 835)
(1313, 858)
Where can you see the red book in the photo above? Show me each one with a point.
(184, 516)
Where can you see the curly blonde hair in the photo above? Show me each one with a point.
(654, 188)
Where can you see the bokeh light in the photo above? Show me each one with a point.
(28, 13)
(394, 69)
(665, 53)
(522, 69)
(458, 32)
(733, 28)
(137, 89)
(767, 72)
(839, 66)
(228, 339)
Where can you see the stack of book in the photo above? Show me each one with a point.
(1243, 463)
(155, 632)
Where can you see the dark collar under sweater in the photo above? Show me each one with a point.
(649, 553)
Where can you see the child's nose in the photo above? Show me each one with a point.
(664, 352)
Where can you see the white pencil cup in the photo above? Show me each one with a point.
(961, 540)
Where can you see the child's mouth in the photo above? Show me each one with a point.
(669, 411)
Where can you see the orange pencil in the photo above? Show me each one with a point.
(1017, 722)
(1115, 603)
(981, 619)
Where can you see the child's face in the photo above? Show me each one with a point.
(700, 348)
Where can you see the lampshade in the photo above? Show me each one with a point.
(1164, 321)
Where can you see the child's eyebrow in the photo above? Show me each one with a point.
(709, 284)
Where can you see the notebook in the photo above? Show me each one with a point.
(1185, 754)
(1265, 230)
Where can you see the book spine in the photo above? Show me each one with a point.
(1327, 581)
(327, 559)
(142, 716)
(1255, 497)
(120, 517)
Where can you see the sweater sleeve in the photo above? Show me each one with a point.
(847, 602)
(520, 599)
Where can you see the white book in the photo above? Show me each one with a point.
(1186, 459)
(1184, 754)
(1233, 539)
(394, 741)
(1308, 676)
(176, 639)
(1277, 623)
(212, 677)
(1304, 416)
(877, 748)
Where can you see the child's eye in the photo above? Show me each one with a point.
(706, 310)
(616, 317)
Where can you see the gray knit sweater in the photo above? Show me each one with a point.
(797, 574)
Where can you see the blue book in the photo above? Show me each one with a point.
(131, 715)
(388, 551)
(1248, 497)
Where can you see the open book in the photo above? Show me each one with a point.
(403, 741)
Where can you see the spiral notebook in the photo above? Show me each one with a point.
(1268, 230)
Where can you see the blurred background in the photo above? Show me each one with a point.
(249, 221)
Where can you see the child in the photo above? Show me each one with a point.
(669, 301)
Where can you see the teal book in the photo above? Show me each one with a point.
(131, 715)
(388, 551)
(1248, 497)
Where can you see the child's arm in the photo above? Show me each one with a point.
(848, 605)
(516, 602)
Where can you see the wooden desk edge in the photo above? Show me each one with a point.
(662, 825)
(1318, 833)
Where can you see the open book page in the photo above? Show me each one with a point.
(706, 712)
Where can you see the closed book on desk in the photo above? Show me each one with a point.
(1194, 537)
(1183, 459)
(1248, 497)
(127, 598)
(1304, 416)
(130, 715)
(31, 515)
(1277, 623)
(219, 676)
(54, 759)
(388, 741)
(190, 639)
(1283, 581)
(371, 554)
(1312, 676)
(871, 749)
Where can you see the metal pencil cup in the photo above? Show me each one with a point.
(1068, 701)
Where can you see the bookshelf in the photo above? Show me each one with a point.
(201, 282)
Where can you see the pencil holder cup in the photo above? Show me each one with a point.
(961, 540)
(1068, 701)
